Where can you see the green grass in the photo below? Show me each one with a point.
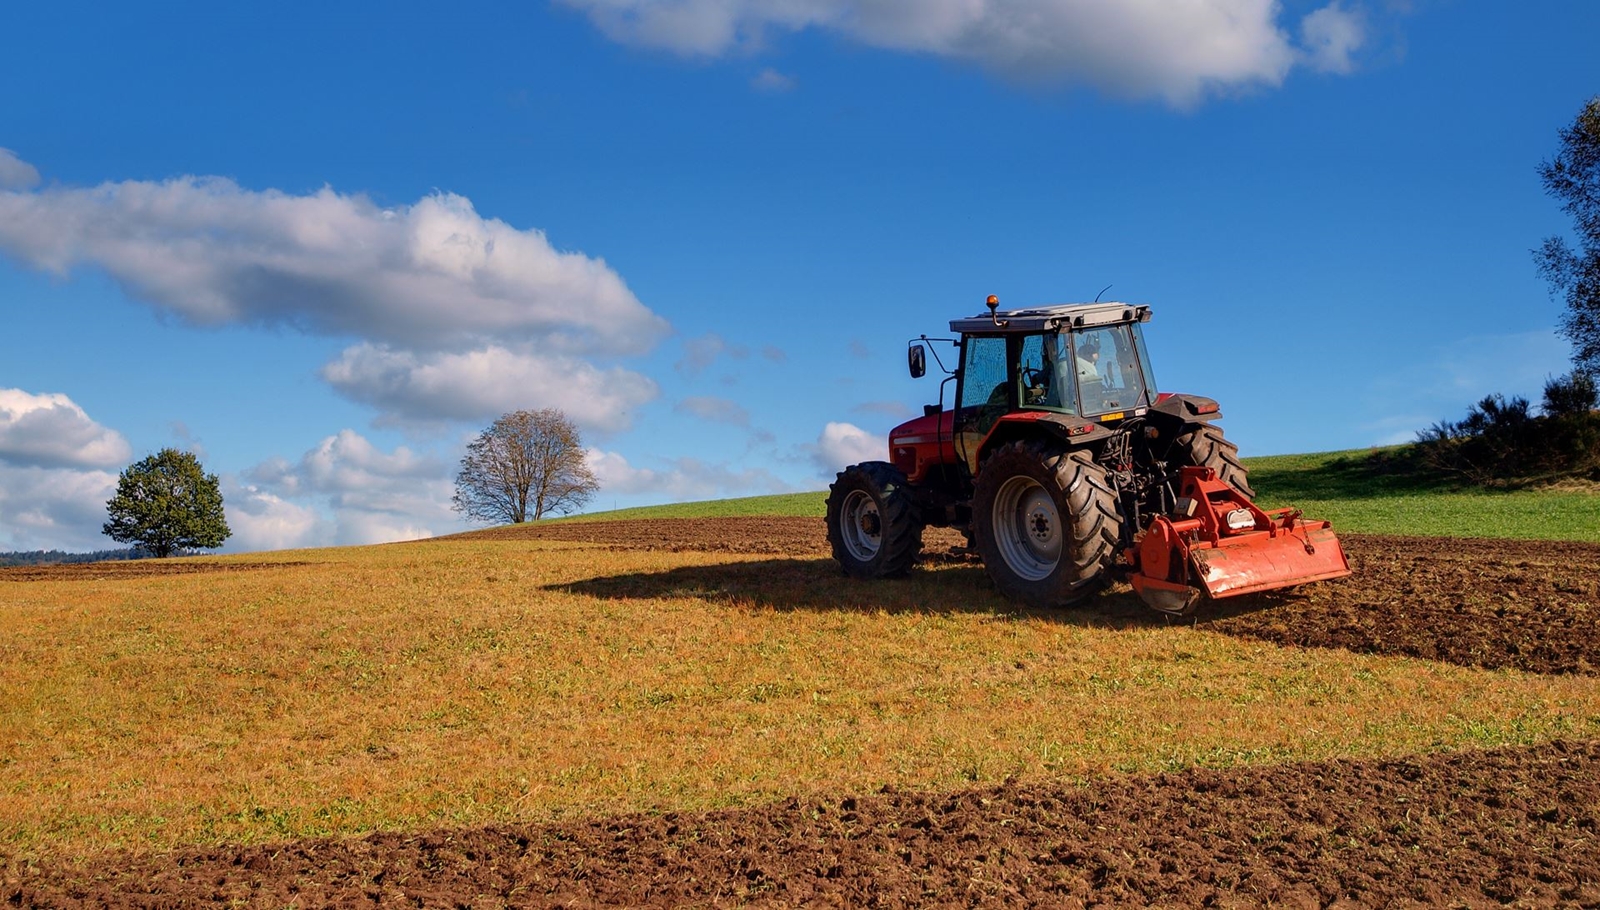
(1343, 488)
(1338, 486)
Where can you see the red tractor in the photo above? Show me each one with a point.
(1067, 469)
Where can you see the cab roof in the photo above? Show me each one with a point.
(1051, 317)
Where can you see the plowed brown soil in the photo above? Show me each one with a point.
(131, 568)
(1524, 604)
(1478, 829)
(1529, 605)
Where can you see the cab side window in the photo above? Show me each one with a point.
(984, 378)
(986, 393)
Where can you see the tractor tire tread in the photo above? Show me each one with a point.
(1207, 447)
(902, 525)
(1088, 506)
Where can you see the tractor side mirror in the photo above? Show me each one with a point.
(917, 360)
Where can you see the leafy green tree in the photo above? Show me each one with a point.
(167, 503)
(526, 465)
(1573, 177)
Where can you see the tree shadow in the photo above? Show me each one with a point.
(787, 585)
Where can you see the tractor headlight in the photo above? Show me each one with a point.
(1241, 520)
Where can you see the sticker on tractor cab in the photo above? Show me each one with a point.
(1117, 416)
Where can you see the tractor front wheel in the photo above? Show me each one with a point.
(873, 525)
(1046, 524)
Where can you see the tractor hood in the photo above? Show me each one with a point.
(925, 429)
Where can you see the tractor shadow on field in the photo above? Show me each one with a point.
(818, 585)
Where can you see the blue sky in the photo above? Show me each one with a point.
(323, 246)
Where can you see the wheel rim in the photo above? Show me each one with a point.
(1027, 528)
(861, 526)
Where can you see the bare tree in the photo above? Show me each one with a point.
(526, 465)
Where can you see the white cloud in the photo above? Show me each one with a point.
(16, 174)
(348, 465)
(842, 444)
(1331, 36)
(1177, 50)
(680, 479)
(54, 508)
(49, 431)
(432, 274)
(53, 489)
(716, 410)
(479, 385)
(372, 496)
(770, 80)
(260, 520)
(441, 297)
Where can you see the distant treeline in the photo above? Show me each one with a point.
(51, 557)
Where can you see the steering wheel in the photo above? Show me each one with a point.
(1034, 385)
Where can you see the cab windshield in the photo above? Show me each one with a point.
(1111, 370)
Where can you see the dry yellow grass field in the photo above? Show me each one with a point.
(471, 681)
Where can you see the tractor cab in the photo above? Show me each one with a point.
(1075, 367)
(1071, 360)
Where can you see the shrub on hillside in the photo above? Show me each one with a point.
(1502, 441)
(1574, 393)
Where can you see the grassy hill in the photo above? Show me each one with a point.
(1342, 487)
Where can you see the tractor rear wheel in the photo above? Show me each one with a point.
(1205, 447)
(1046, 524)
(873, 525)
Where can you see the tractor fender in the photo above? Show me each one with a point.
(1175, 414)
(1071, 431)
(1187, 408)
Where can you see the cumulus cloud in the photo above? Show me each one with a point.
(261, 520)
(716, 410)
(49, 430)
(1177, 50)
(408, 386)
(842, 444)
(432, 287)
(372, 496)
(16, 174)
(54, 508)
(429, 274)
(53, 482)
(681, 479)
